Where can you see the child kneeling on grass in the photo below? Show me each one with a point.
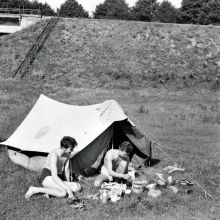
(56, 172)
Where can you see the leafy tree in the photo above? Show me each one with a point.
(14, 3)
(71, 8)
(46, 10)
(213, 10)
(167, 13)
(144, 10)
(112, 9)
(26, 4)
(201, 11)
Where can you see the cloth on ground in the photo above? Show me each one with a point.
(114, 190)
(171, 169)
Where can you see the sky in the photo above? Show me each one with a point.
(89, 5)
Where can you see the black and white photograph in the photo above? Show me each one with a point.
(110, 109)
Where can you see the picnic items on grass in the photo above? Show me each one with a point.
(138, 186)
(154, 193)
(151, 186)
(112, 191)
(154, 183)
(174, 189)
(184, 182)
(171, 169)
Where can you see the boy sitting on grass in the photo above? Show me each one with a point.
(115, 165)
(55, 175)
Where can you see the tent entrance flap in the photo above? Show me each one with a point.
(116, 134)
(124, 131)
(88, 156)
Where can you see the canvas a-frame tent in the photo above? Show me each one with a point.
(95, 127)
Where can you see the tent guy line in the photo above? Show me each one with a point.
(159, 146)
(183, 153)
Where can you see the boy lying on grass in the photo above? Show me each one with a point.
(56, 172)
(115, 165)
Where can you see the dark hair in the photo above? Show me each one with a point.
(126, 146)
(67, 142)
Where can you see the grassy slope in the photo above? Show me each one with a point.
(122, 54)
(187, 120)
(13, 48)
(129, 54)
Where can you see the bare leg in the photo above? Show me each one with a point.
(49, 183)
(100, 179)
(50, 191)
(122, 168)
(49, 187)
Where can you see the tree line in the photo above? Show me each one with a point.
(44, 8)
(202, 12)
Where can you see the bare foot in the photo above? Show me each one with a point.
(31, 191)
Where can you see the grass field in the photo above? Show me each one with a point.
(186, 121)
(185, 118)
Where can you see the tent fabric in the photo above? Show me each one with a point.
(88, 156)
(142, 145)
(35, 163)
(137, 138)
(118, 132)
(49, 121)
(93, 127)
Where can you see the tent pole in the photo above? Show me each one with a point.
(113, 136)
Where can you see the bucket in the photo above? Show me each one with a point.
(138, 186)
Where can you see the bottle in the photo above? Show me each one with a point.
(104, 197)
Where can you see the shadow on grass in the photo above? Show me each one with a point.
(153, 162)
(2, 139)
(2, 147)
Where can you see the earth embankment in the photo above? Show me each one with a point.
(119, 54)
